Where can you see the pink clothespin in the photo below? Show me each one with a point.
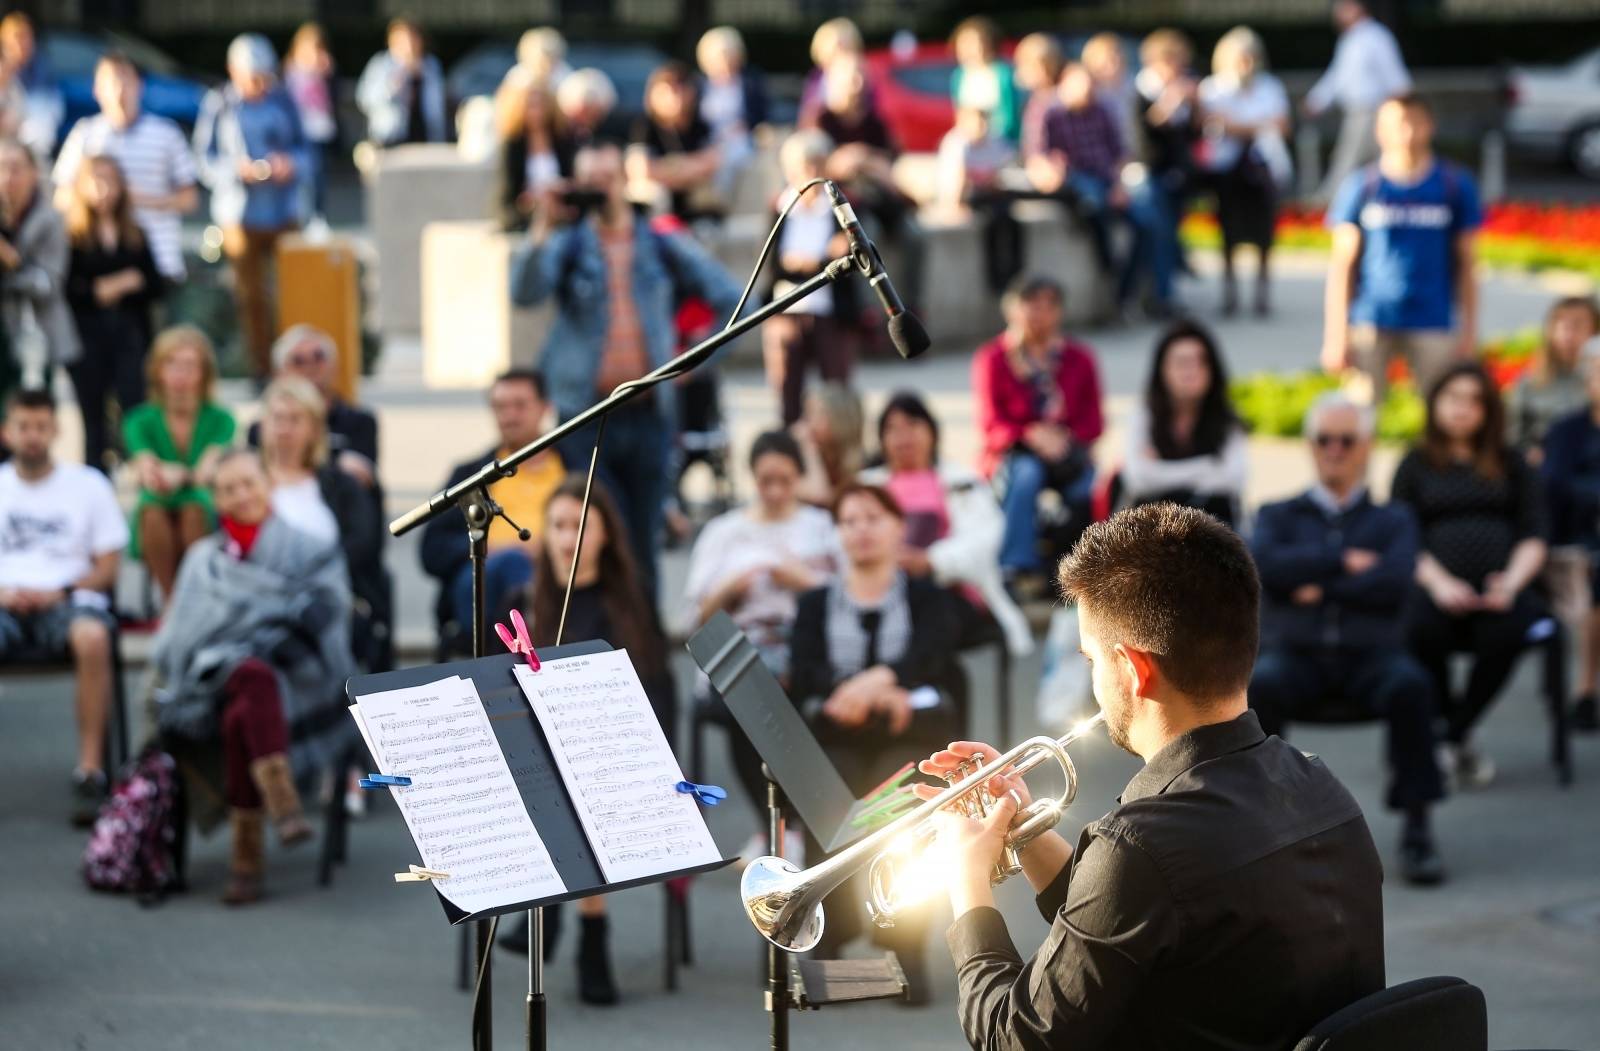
(520, 643)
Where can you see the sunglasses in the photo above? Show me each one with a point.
(300, 361)
(1343, 441)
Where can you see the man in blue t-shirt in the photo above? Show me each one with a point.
(1401, 280)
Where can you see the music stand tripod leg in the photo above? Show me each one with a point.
(777, 960)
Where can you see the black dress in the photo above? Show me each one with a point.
(1471, 524)
(115, 339)
(661, 141)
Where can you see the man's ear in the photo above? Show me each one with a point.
(1140, 668)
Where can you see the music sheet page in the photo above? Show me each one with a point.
(462, 807)
(617, 766)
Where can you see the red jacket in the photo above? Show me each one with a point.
(1005, 401)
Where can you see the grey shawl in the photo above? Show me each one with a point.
(288, 604)
(33, 297)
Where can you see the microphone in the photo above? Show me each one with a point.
(905, 331)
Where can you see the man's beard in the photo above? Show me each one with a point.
(1119, 718)
(29, 464)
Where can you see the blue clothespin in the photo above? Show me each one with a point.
(708, 795)
(519, 643)
(385, 781)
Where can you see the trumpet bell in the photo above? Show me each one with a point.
(769, 888)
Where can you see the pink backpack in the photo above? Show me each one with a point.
(136, 844)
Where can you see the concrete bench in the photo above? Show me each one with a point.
(471, 332)
(956, 303)
(408, 188)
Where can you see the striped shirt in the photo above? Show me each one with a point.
(155, 161)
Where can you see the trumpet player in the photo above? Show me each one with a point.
(1232, 897)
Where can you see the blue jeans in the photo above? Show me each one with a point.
(1155, 235)
(505, 573)
(633, 467)
(1026, 476)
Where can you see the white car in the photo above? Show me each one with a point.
(1554, 111)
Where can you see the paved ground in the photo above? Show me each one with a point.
(369, 963)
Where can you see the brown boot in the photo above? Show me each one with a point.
(275, 780)
(249, 860)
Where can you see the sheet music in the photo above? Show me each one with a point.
(462, 807)
(617, 766)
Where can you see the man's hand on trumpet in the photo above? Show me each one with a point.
(972, 846)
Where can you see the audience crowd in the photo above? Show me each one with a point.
(868, 558)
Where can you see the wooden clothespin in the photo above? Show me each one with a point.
(418, 874)
(519, 643)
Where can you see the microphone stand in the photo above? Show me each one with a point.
(471, 495)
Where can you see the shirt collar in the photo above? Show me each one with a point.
(1323, 497)
(1190, 750)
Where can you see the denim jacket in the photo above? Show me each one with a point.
(231, 129)
(384, 97)
(570, 267)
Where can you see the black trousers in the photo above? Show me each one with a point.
(1494, 640)
(1387, 683)
(107, 369)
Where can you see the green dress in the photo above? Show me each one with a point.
(144, 429)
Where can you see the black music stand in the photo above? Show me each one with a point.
(533, 767)
(798, 773)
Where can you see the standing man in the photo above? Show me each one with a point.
(401, 91)
(151, 151)
(617, 285)
(61, 537)
(1232, 899)
(1402, 277)
(1366, 69)
(252, 151)
(1337, 570)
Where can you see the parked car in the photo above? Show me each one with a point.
(480, 71)
(169, 90)
(1554, 112)
(912, 87)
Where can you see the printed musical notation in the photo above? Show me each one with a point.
(462, 807)
(617, 766)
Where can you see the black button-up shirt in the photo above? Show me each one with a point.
(1232, 900)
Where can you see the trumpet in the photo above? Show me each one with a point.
(785, 902)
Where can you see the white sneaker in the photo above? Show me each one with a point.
(1464, 767)
(355, 802)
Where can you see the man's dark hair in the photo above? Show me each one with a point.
(119, 60)
(1411, 101)
(30, 398)
(1029, 285)
(781, 443)
(532, 377)
(1178, 584)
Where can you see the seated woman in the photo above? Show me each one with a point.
(733, 100)
(873, 669)
(1554, 386)
(1571, 473)
(953, 522)
(829, 433)
(753, 562)
(536, 154)
(1481, 512)
(607, 602)
(1185, 444)
(317, 498)
(251, 660)
(173, 441)
(673, 151)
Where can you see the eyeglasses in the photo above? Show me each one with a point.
(1343, 441)
(301, 361)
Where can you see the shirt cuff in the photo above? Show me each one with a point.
(1054, 895)
(978, 932)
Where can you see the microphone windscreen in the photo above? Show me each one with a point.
(908, 335)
